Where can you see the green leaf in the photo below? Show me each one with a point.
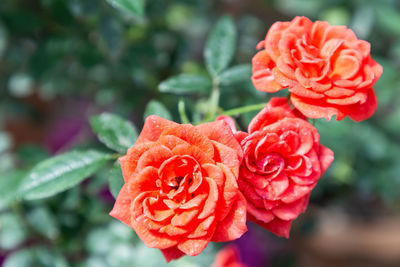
(235, 75)
(116, 181)
(156, 108)
(35, 256)
(12, 231)
(9, 184)
(43, 222)
(133, 7)
(20, 258)
(60, 173)
(389, 20)
(5, 142)
(220, 46)
(113, 131)
(186, 84)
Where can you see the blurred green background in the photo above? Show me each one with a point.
(62, 61)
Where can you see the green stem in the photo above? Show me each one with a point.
(115, 156)
(182, 113)
(238, 111)
(244, 109)
(214, 100)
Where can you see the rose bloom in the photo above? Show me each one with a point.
(282, 163)
(228, 257)
(327, 69)
(181, 188)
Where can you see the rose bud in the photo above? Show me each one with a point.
(181, 188)
(327, 69)
(228, 257)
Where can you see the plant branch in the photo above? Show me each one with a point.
(182, 113)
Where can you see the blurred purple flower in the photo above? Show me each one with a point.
(254, 247)
(68, 126)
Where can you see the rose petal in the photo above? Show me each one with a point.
(227, 156)
(122, 206)
(220, 132)
(314, 110)
(262, 77)
(364, 111)
(203, 228)
(229, 121)
(129, 161)
(234, 224)
(171, 141)
(155, 156)
(184, 218)
(193, 136)
(325, 158)
(153, 126)
(277, 226)
(144, 181)
(172, 230)
(153, 239)
(291, 211)
(194, 202)
(211, 201)
(262, 215)
(229, 192)
(172, 253)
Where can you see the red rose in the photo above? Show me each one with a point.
(228, 257)
(282, 163)
(181, 188)
(327, 69)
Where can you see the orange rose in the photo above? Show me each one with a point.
(283, 161)
(327, 69)
(228, 257)
(181, 188)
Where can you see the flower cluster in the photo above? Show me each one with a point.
(186, 185)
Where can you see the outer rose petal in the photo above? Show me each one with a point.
(130, 160)
(276, 109)
(220, 132)
(193, 136)
(195, 246)
(292, 210)
(315, 111)
(234, 225)
(276, 226)
(152, 239)
(153, 126)
(229, 121)
(366, 110)
(262, 77)
(122, 206)
(230, 192)
(172, 253)
(325, 157)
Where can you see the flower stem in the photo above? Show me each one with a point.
(182, 114)
(244, 109)
(214, 101)
(238, 111)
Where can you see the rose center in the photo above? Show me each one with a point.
(175, 182)
(179, 177)
(270, 163)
